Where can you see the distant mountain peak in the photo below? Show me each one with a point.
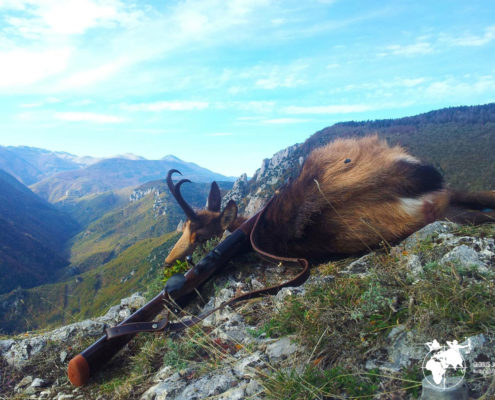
(171, 157)
(129, 156)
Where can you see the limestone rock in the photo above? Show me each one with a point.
(434, 228)
(281, 349)
(465, 256)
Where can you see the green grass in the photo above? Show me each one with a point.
(314, 383)
(339, 322)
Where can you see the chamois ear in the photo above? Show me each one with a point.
(214, 198)
(229, 214)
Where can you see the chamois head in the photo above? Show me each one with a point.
(201, 225)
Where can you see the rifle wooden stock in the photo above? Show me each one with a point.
(82, 366)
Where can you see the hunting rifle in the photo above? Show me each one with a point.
(82, 366)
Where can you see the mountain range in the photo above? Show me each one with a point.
(57, 176)
(30, 164)
(116, 173)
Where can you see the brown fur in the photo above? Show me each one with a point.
(353, 194)
(335, 207)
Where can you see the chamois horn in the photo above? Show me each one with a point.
(175, 190)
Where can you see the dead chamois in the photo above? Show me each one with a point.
(351, 195)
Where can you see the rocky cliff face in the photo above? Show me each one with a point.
(160, 204)
(367, 319)
(252, 195)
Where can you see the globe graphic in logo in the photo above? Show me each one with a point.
(444, 366)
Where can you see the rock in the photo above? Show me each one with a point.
(253, 388)
(63, 396)
(21, 352)
(221, 384)
(166, 389)
(63, 356)
(281, 349)
(126, 307)
(413, 264)
(45, 394)
(25, 382)
(361, 266)
(465, 256)
(163, 374)
(84, 328)
(238, 191)
(246, 366)
(283, 294)
(428, 231)
(255, 204)
(39, 383)
(271, 175)
(318, 280)
(212, 384)
(256, 284)
(5, 345)
(18, 353)
(402, 350)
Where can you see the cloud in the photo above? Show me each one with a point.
(451, 88)
(75, 116)
(282, 121)
(48, 100)
(167, 106)
(470, 40)
(220, 134)
(281, 77)
(440, 42)
(70, 17)
(419, 48)
(91, 76)
(257, 118)
(330, 109)
(23, 67)
(257, 106)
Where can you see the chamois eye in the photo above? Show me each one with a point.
(347, 161)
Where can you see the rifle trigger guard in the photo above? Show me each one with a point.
(136, 327)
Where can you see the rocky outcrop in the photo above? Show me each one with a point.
(160, 206)
(19, 352)
(252, 195)
(238, 191)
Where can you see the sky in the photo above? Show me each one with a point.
(226, 84)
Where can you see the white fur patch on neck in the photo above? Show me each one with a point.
(411, 206)
(408, 158)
